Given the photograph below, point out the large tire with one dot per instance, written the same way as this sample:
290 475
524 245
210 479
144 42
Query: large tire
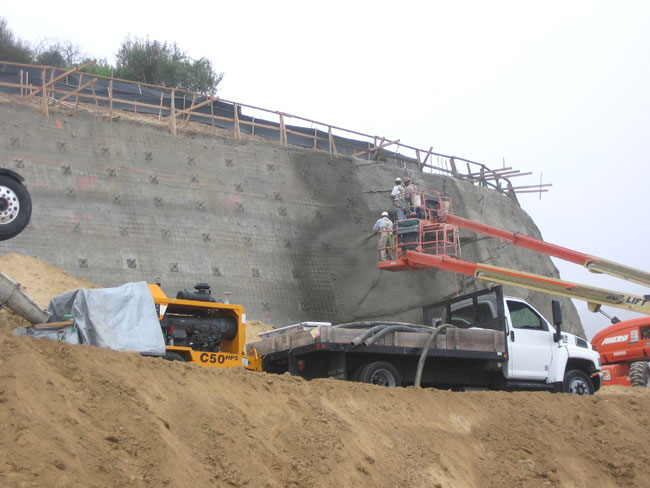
173 356
380 373
640 374
15 207
578 383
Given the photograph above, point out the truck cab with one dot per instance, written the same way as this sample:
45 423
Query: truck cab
537 352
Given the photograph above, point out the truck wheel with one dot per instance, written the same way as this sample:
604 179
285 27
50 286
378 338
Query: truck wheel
15 207
640 374
578 383
380 373
173 356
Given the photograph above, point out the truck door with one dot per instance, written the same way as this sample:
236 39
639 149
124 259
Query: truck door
530 342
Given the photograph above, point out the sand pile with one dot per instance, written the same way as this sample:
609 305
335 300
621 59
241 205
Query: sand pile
80 416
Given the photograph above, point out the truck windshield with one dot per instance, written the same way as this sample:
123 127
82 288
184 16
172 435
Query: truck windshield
524 317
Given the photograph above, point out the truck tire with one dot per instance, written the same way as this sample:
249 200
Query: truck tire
380 373
15 207
173 356
640 374
578 383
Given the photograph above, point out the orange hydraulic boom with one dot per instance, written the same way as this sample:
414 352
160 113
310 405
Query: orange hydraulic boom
432 242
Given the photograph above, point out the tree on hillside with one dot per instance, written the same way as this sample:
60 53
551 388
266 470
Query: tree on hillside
12 49
159 63
58 54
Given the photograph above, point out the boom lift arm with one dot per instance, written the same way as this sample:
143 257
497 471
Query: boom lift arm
441 252
592 263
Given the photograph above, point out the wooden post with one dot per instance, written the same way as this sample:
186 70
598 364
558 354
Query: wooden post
172 113
212 112
21 82
236 122
76 100
44 108
452 163
94 95
315 138
283 131
331 139
187 120
161 105
110 100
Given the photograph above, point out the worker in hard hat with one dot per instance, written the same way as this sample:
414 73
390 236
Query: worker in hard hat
399 199
413 199
384 226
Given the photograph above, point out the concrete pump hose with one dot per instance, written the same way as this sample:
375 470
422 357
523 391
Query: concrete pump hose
13 297
425 351
378 326
393 328
365 334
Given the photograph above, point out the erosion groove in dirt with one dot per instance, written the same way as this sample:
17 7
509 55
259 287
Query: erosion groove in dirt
80 416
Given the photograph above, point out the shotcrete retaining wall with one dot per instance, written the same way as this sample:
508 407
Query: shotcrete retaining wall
286 230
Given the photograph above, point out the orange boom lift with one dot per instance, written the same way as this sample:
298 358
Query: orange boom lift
430 240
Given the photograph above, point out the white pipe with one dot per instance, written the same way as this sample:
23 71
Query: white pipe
13 297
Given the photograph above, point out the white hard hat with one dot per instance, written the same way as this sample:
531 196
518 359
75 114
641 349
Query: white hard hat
384 214
398 179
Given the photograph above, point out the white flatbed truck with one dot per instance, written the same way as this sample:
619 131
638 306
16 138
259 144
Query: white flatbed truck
487 341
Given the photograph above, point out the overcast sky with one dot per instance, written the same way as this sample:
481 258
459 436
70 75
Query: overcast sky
560 88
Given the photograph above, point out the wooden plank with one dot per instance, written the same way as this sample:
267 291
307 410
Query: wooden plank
172 117
54 80
53 324
85 85
283 131
544 185
189 111
236 122
44 108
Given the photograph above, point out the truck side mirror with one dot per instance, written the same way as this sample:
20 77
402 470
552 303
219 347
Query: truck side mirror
557 320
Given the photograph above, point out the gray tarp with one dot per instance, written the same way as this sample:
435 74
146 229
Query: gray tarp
123 318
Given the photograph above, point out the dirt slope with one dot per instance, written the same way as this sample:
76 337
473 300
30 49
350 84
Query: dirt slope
79 416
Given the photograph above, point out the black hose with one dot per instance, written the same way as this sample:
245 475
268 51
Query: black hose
425 351
393 328
372 323
379 327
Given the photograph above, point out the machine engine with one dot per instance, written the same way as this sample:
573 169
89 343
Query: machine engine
197 327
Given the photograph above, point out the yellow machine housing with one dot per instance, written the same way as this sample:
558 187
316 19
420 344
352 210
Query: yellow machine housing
230 353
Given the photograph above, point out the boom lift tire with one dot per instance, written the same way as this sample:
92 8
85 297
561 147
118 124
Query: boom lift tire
380 373
640 374
15 207
578 383
172 356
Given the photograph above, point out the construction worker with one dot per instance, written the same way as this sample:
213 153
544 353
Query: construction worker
384 226
413 198
399 199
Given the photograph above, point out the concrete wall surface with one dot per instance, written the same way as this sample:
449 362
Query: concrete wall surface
286 230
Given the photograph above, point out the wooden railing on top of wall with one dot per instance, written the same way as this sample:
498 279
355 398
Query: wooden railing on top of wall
335 139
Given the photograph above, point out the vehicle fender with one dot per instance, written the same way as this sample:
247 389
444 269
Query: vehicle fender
558 365
12 173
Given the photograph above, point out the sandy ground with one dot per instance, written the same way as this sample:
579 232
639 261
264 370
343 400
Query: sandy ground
80 416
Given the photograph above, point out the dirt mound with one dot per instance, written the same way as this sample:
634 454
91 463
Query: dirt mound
80 416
